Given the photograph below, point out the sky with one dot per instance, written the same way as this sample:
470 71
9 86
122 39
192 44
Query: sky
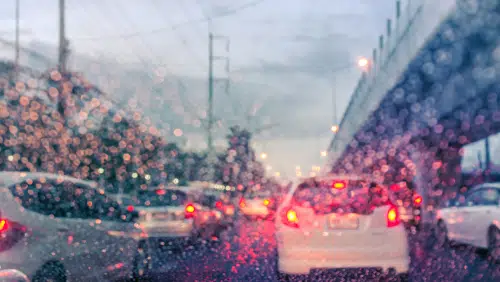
287 58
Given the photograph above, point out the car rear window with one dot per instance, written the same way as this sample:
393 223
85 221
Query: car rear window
162 197
258 195
340 196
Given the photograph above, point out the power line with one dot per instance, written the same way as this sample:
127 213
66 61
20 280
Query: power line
184 41
145 64
181 86
175 26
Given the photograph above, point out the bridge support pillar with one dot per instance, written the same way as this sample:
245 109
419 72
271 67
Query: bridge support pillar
437 172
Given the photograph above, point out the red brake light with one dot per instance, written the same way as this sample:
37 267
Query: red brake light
339 185
189 211
242 203
11 233
417 200
393 217
130 208
190 208
161 192
290 218
4 225
218 204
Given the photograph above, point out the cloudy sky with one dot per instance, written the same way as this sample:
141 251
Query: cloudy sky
286 58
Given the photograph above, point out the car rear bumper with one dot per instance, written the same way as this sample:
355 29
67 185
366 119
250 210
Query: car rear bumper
255 211
290 266
168 229
295 261
297 258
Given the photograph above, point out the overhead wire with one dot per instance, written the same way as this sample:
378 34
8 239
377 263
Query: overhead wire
181 38
175 26
144 44
189 105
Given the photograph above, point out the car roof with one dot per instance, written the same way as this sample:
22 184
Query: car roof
495 185
352 177
8 178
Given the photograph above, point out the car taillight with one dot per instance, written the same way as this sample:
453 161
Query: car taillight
393 217
130 208
4 225
418 200
242 203
339 185
10 233
289 218
189 211
218 204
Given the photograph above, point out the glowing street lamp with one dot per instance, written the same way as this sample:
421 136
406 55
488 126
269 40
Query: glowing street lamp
263 156
324 153
363 63
334 128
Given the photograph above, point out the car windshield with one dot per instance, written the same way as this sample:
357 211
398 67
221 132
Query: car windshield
158 102
340 196
162 197
258 194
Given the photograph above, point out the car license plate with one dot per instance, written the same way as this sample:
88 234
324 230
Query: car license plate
162 216
343 222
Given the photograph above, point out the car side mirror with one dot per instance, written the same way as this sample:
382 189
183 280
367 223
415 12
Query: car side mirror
131 216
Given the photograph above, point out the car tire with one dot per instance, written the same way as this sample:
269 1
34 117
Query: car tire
403 277
441 235
285 277
291 277
51 271
142 262
494 244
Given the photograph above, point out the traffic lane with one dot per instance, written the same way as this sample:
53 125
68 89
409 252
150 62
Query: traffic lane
249 254
245 253
452 263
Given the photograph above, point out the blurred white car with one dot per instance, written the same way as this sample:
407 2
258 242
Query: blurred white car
54 228
474 221
255 204
170 220
336 223
165 213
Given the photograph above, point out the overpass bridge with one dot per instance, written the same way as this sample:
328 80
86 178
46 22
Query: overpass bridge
433 87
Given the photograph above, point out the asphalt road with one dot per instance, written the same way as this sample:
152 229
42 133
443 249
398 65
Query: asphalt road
249 255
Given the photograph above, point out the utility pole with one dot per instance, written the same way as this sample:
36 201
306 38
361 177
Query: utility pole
334 102
211 83
16 70
63 42
210 92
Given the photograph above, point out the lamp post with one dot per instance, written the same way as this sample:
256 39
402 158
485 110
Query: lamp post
363 64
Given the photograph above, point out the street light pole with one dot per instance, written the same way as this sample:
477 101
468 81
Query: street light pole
16 71
334 101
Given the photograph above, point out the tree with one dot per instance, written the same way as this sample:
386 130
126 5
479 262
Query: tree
238 164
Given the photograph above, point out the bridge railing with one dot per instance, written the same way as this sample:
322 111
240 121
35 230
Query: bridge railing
416 21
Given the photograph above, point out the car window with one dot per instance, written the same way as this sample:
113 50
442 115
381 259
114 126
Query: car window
474 198
488 197
340 196
162 197
258 194
84 202
38 195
